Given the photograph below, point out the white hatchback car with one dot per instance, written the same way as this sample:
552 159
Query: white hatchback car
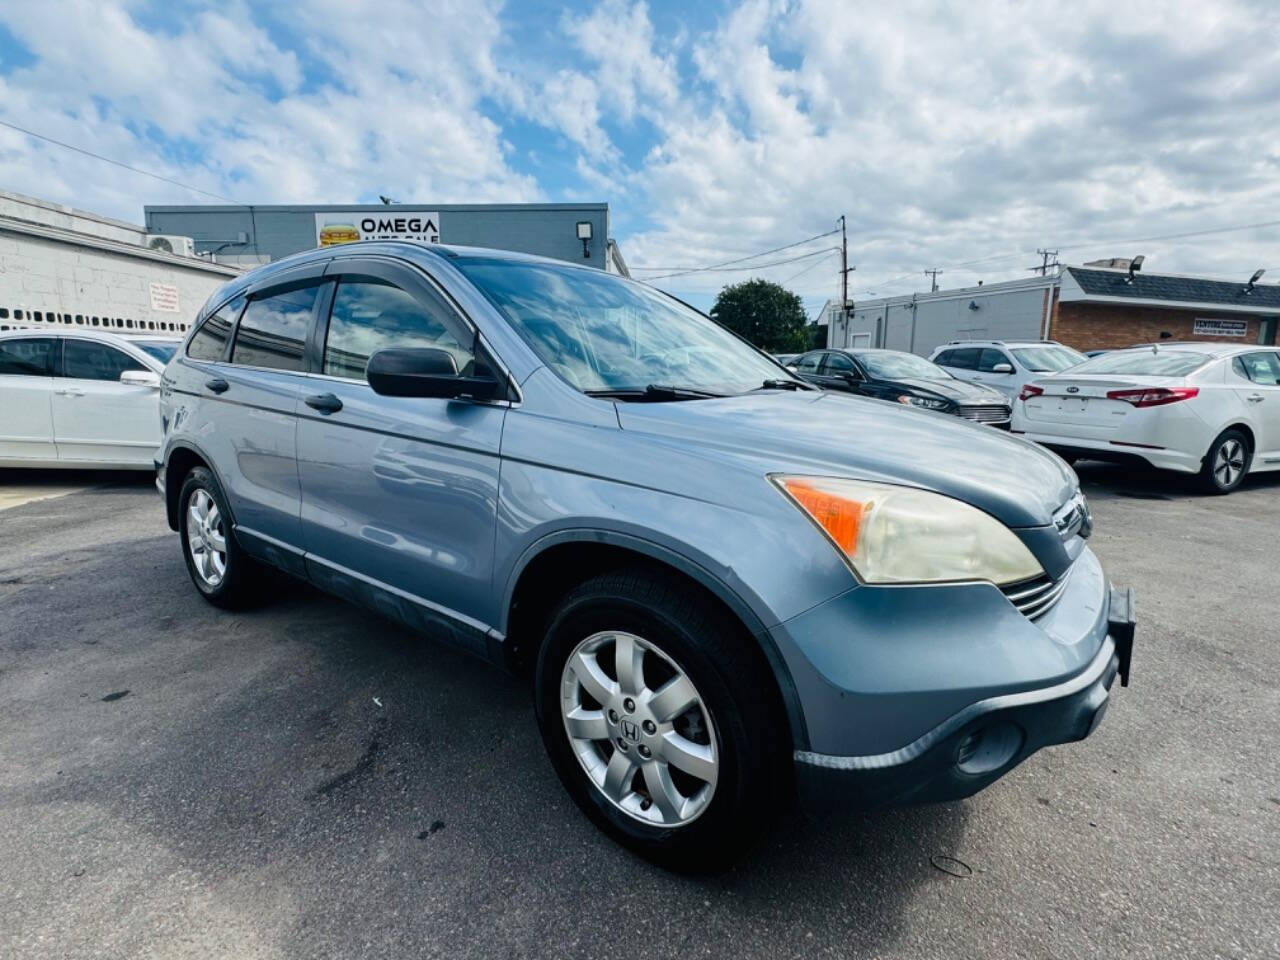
80 398
1004 365
1206 408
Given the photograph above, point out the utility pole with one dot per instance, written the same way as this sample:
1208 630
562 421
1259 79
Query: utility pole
933 277
1043 269
845 269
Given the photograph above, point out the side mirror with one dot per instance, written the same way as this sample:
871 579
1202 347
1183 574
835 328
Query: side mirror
140 378
424 372
1002 368
850 376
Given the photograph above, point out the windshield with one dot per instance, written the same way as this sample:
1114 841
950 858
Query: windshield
892 365
603 333
1047 359
1145 362
162 350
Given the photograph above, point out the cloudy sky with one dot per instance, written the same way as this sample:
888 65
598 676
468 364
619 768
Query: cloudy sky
958 136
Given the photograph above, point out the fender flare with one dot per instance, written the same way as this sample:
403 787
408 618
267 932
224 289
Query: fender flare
696 572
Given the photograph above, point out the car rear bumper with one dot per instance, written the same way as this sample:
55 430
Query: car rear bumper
980 743
1117 450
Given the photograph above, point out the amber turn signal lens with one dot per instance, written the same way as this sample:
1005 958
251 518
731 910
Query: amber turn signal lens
839 516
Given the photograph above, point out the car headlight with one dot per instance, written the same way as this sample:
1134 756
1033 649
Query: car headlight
928 402
893 534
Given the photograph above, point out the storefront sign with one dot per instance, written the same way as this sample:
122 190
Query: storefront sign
164 298
396 224
1221 328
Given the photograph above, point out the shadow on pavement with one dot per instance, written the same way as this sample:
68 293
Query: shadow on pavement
1147 483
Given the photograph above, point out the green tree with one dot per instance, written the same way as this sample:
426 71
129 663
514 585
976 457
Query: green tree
767 314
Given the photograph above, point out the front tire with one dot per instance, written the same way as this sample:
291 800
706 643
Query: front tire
223 573
660 719
1227 463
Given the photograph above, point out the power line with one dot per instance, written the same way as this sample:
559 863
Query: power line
117 163
812 266
750 266
725 263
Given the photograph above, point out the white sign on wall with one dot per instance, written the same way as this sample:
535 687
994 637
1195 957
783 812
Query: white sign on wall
164 298
397 223
1220 328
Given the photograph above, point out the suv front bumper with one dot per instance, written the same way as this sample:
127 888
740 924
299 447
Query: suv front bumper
979 744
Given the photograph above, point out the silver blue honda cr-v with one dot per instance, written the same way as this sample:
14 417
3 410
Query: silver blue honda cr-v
726 587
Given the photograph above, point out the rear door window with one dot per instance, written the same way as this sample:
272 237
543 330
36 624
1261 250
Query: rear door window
86 360
1262 368
27 357
273 329
964 359
210 340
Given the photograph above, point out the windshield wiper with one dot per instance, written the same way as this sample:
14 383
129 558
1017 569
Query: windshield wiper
655 393
785 385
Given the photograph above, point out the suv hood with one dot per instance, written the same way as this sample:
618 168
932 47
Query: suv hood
827 434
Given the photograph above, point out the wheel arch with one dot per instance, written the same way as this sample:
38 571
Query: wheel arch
181 459
1250 438
559 561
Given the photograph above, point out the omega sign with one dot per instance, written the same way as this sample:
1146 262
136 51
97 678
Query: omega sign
395 224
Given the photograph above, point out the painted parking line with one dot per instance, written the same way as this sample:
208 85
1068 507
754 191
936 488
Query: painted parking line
18 494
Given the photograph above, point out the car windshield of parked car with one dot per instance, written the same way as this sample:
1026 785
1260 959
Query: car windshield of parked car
605 334
1048 359
1145 362
892 365
162 350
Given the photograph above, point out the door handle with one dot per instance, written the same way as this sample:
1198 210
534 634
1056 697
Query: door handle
70 392
217 385
1256 398
324 402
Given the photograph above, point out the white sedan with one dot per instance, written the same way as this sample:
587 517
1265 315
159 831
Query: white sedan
80 398
1207 408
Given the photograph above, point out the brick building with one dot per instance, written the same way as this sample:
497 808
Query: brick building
1089 307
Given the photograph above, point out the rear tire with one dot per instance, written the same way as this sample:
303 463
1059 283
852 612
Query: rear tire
690 790
223 573
1227 462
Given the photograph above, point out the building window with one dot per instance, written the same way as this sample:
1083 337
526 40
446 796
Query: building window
38 317
80 318
4 313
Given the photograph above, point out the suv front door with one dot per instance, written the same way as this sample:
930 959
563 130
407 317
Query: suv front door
399 494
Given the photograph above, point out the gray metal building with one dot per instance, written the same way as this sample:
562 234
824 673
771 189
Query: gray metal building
918 322
249 235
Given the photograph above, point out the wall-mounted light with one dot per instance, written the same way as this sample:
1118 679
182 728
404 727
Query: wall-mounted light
973 305
1257 275
584 234
1134 266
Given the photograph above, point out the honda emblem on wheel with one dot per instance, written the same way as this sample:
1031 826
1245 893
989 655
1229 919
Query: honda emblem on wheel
630 731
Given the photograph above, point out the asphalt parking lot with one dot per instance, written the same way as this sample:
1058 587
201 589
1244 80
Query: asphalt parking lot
308 780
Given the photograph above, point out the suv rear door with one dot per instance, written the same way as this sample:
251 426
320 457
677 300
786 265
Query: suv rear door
399 494
251 401
26 398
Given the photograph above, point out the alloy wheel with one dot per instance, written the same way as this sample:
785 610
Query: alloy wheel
1228 463
639 728
206 538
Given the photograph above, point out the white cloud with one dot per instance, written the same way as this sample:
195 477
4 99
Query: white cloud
947 133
